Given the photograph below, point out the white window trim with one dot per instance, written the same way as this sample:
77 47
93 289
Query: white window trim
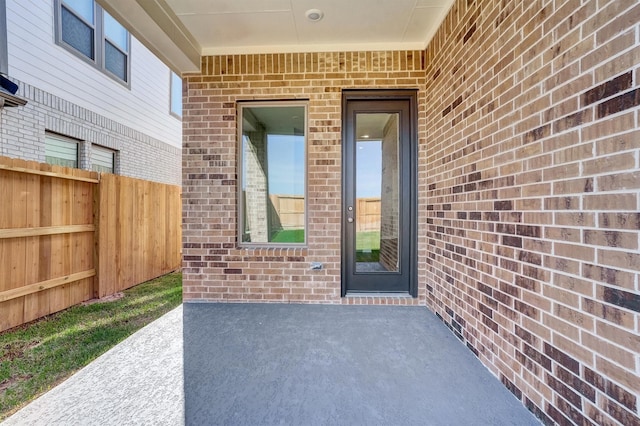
98 42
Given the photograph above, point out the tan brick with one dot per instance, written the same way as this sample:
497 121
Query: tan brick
610 202
616 239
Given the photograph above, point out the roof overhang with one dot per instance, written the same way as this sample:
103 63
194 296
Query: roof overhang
155 25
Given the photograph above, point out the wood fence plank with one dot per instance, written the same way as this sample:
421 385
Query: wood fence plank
45 230
12 313
55 174
45 285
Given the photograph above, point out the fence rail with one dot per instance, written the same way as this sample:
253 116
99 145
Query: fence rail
69 235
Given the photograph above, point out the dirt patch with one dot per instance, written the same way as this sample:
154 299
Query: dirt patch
6 384
105 299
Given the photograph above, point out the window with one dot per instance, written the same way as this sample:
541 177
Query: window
60 151
4 62
88 31
176 95
272 198
103 159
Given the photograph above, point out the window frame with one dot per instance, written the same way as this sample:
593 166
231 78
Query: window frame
171 111
241 105
4 48
99 40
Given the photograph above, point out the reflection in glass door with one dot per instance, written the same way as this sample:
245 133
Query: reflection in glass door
376 186
379 169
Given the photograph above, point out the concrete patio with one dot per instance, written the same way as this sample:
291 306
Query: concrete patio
265 364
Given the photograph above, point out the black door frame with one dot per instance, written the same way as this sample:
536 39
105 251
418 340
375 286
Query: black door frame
411 96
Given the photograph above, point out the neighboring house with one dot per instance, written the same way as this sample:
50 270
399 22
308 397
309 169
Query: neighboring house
96 98
505 151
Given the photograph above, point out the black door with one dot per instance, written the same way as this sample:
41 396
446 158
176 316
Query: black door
379 180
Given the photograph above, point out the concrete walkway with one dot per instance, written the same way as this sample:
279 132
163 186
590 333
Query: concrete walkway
254 364
138 382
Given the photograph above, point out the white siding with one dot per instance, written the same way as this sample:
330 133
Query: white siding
34 58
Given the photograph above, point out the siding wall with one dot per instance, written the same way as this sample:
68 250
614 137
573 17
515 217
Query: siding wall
68 96
529 159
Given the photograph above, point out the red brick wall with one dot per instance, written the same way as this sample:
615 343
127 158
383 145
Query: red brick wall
528 205
529 223
215 269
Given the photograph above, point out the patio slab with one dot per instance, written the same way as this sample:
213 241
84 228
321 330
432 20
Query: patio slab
277 364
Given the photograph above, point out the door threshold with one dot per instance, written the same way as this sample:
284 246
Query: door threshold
398 295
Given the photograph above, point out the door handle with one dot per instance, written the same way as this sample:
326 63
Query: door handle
350 214
350 219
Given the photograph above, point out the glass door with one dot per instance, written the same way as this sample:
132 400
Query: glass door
378 182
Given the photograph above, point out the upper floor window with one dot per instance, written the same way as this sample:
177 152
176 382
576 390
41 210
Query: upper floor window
88 31
176 95
4 65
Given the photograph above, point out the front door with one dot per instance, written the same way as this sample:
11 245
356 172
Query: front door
379 169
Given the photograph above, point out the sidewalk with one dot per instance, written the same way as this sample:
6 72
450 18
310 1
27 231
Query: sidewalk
137 382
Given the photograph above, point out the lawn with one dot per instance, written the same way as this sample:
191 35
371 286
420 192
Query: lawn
288 236
368 246
35 357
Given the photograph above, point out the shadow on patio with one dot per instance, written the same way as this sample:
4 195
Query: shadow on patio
326 364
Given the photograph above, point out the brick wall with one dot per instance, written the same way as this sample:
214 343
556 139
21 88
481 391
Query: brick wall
528 204
528 191
214 268
22 132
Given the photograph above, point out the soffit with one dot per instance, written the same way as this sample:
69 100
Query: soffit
214 27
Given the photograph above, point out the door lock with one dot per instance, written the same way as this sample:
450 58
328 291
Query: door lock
350 214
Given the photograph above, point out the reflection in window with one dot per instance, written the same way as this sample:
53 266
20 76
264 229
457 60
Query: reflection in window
88 31
273 151
176 94
116 47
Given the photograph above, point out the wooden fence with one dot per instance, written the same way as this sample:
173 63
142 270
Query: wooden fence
69 235
288 211
368 214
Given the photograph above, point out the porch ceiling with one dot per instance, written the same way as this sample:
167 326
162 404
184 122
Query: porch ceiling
181 31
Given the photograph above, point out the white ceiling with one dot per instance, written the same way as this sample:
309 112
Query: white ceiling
210 27
267 26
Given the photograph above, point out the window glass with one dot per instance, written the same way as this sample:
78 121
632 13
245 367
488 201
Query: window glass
102 159
83 8
115 32
115 61
61 151
273 179
103 40
176 94
4 57
77 34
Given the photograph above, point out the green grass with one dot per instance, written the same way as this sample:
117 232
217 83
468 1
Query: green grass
368 240
372 256
368 246
35 357
289 236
